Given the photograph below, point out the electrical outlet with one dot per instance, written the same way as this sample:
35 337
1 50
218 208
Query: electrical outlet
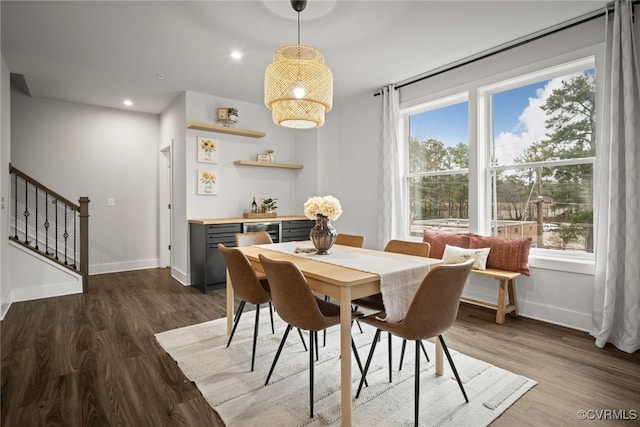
111 201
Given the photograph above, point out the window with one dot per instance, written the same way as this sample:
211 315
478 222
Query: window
535 150
438 156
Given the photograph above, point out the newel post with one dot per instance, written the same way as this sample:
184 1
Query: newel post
84 241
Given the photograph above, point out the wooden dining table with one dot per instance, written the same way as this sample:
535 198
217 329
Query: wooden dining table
341 283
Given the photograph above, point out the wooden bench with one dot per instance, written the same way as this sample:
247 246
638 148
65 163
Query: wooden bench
507 299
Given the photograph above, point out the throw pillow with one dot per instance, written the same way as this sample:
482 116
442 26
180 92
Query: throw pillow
506 254
439 240
456 255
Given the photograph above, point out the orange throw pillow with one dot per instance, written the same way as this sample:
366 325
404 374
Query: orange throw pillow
505 254
439 240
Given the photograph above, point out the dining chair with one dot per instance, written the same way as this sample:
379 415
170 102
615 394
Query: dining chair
432 311
299 307
248 288
349 240
255 238
374 302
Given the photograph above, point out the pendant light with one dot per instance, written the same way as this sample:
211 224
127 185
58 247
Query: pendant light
298 87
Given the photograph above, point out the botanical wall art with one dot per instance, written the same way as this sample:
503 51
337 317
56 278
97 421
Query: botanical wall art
207 182
207 150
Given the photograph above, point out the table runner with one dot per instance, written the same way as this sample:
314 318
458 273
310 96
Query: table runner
400 275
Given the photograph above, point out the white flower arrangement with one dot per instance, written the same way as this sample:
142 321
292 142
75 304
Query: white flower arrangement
328 206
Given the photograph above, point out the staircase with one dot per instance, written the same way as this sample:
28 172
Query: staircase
47 223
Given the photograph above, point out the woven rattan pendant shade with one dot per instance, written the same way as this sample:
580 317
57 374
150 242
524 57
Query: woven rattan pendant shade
298 87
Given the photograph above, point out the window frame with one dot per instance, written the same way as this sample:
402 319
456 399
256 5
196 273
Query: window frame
479 97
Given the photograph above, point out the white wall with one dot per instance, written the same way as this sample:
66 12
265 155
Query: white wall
80 150
5 158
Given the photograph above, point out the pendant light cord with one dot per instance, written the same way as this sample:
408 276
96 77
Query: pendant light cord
298 28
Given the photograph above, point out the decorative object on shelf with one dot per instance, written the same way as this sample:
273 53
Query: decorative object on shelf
264 158
207 182
228 115
272 154
323 210
298 87
268 205
207 150
254 205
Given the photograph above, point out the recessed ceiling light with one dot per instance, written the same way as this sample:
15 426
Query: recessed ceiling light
128 102
236 54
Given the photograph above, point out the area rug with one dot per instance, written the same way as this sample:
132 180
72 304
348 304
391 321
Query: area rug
241 399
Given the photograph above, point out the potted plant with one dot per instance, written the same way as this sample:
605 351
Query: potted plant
232 114
269 205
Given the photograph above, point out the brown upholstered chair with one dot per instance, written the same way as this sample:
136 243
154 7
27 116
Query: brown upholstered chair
299 307
253 238
432 311
248 288
374 302
349 240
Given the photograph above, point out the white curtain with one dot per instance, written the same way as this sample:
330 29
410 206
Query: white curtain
616 310
391 214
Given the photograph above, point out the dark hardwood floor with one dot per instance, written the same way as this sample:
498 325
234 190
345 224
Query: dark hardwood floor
92 360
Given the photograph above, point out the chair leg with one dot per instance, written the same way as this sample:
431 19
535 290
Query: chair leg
355 353
313 337
389 346
255 336
404 345
302 339
273 331
366 366
275 359
453 367
236 320
354 308
416 398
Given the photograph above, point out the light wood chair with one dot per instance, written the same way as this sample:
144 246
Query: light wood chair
299 307
432 311
349 240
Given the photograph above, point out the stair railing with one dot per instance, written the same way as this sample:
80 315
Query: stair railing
50 224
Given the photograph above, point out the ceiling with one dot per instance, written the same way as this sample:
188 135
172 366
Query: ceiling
101 52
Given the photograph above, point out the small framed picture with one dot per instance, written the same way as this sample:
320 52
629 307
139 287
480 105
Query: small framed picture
207 150
264 158
207 182
223 115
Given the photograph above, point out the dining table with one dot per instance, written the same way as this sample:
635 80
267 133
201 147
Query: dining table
328 275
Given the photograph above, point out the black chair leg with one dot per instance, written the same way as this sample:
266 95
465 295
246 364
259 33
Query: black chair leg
236 320
355 353
313 337
389 345
304 344
453 367
273 331
366 366
416 399
275 359
255 336
404 345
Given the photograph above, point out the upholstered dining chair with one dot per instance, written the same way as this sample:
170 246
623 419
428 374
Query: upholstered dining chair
374 302
248 288
432 311
255 238
349 240
299 307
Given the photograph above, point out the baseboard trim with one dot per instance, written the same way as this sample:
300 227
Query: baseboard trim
116 267
46 291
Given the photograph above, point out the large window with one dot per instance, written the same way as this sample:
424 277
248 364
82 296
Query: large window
438 174
534 152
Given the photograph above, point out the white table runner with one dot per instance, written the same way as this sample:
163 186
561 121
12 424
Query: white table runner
400 275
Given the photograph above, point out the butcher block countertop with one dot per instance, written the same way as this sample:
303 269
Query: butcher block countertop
208 221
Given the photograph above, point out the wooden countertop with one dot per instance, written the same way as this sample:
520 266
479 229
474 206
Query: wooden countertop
207 221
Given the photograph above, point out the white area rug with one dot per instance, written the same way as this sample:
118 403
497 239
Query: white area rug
241 398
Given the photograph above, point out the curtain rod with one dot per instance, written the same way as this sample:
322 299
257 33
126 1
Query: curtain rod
512 45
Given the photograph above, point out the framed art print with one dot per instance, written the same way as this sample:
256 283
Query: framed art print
207 150
207 182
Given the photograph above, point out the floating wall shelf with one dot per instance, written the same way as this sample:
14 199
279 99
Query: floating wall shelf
223 129
266 165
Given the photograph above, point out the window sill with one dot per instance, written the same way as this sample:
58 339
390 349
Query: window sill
562 261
